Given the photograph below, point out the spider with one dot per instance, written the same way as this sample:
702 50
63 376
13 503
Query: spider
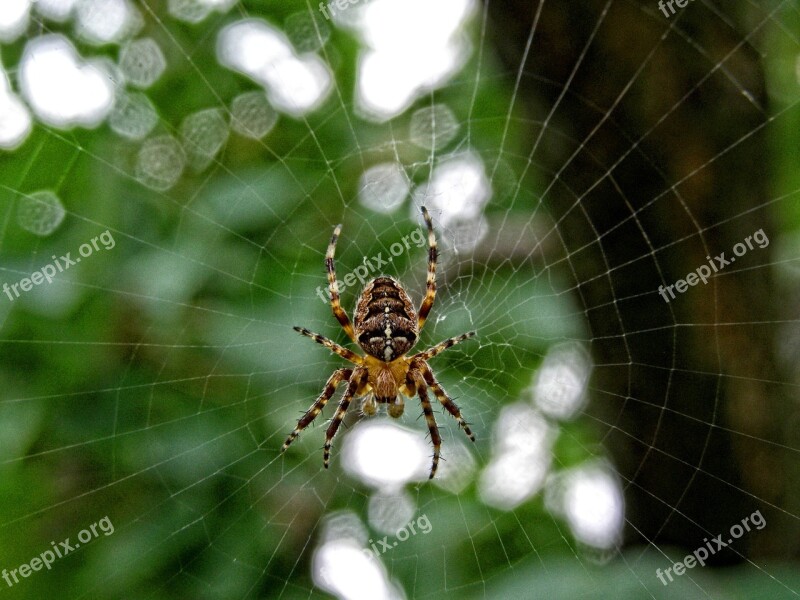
386 327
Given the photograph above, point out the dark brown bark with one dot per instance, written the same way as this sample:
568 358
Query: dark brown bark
675 156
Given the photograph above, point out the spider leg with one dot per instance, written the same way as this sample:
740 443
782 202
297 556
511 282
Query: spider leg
344 403
331 345
333 286
427 410
446 400
330 388
442 346
430 291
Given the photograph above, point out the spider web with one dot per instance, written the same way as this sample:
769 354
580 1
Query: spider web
155 382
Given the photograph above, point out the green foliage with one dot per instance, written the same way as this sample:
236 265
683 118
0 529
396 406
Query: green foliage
155 382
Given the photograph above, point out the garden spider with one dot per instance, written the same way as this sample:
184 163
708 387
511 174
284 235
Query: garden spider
386 327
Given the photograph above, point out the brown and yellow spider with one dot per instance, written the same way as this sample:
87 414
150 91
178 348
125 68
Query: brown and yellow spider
386 327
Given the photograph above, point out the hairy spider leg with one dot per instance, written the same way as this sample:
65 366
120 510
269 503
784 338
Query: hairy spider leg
446 400
355 382
430 283
427 410
333 286
442 346
331 345
327 393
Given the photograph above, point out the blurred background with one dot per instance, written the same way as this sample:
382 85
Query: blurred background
170 175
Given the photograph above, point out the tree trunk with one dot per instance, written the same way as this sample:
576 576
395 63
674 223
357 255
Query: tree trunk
661 155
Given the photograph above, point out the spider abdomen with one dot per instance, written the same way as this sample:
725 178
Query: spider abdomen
385 321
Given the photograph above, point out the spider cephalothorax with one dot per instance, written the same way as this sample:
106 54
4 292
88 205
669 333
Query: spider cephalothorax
386 327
